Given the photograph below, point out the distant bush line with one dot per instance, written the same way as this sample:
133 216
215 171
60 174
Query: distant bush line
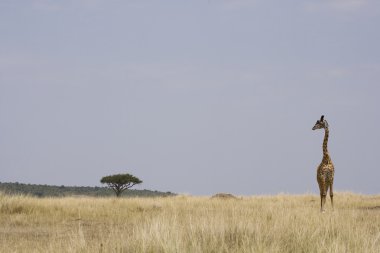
64 191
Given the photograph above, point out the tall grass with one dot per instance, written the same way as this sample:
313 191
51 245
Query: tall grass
281 223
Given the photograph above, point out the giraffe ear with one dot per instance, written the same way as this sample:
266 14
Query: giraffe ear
321 120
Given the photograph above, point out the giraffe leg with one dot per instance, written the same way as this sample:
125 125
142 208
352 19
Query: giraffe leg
323 196
323 203
321 187
331 195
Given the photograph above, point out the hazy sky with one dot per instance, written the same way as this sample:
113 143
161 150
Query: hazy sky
193 97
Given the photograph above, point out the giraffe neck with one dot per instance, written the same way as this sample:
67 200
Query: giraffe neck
325 140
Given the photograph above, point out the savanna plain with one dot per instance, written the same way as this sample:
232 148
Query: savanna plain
278 223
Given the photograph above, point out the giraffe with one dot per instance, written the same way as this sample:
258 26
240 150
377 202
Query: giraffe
325 171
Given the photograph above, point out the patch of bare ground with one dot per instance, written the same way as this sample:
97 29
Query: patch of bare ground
224 196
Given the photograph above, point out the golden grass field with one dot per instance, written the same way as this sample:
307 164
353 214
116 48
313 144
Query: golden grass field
279 223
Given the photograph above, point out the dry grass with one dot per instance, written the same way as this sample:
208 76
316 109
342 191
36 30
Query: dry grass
281 223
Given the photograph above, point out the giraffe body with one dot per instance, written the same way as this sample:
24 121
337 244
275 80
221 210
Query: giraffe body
325 171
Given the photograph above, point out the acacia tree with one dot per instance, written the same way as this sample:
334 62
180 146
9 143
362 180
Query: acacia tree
120 182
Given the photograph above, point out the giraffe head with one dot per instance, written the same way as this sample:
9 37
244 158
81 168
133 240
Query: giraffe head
322 123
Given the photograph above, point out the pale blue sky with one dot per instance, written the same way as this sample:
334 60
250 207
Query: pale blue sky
193 97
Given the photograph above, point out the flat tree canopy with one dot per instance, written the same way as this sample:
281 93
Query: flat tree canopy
120 182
